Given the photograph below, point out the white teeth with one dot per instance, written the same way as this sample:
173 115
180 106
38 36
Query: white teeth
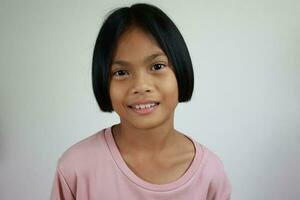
143 106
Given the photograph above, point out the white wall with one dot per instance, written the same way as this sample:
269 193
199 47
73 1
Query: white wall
246 58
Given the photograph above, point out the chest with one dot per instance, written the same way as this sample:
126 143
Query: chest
160 170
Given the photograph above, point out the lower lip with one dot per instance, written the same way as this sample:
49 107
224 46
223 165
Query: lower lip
145 110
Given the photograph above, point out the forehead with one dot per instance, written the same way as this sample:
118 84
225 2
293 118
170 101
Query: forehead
136 44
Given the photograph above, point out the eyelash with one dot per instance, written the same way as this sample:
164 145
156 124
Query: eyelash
114 73
158 64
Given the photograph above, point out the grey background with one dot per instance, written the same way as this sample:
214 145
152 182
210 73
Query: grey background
245 106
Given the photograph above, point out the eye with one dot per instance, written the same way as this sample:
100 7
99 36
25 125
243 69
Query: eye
120 73
158 66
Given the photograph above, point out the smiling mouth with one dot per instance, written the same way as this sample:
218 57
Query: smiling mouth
144 108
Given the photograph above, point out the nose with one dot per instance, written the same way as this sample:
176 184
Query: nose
142 83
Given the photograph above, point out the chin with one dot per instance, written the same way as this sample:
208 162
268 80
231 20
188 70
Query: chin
146 124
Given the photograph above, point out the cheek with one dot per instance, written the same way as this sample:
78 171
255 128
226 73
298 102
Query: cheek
114 95
117 94
171 86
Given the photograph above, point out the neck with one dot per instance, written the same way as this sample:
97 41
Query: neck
152 141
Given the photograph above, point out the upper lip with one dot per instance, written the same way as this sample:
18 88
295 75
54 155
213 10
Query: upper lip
143 101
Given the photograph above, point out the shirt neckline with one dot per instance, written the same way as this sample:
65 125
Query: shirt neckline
190 172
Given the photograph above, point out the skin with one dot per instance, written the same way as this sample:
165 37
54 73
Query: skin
148 143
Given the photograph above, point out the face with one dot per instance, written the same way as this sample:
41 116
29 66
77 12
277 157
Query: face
143 87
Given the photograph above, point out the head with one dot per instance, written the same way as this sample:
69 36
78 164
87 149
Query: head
160 29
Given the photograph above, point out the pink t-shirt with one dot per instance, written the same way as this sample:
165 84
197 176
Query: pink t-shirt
93 169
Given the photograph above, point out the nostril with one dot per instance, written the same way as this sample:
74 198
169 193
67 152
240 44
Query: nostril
140 91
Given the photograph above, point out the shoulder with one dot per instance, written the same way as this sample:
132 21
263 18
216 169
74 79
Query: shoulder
213 160
81 154
214 170
210 163
209 159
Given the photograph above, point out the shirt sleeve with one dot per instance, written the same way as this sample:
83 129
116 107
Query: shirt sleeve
60 188
220 187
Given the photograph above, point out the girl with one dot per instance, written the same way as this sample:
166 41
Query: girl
141 70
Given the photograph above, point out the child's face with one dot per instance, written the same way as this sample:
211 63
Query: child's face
141 72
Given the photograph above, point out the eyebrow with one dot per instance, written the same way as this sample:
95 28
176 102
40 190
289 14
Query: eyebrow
147 59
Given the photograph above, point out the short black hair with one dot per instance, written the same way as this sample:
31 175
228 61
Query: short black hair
153 21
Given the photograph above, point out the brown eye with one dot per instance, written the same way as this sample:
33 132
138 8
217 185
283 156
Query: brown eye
158 66
120 73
